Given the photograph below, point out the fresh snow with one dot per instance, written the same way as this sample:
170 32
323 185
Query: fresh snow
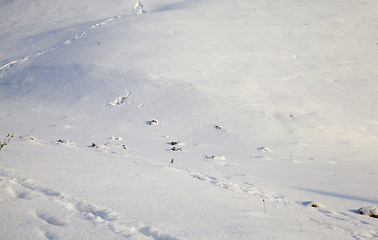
197 119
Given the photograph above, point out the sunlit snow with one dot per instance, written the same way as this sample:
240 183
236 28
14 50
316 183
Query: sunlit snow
195 119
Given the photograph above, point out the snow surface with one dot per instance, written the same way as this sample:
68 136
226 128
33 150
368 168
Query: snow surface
273 104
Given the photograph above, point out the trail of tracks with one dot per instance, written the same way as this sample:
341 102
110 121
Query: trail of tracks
59 211
8 66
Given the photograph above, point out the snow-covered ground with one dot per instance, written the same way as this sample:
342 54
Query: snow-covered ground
196 119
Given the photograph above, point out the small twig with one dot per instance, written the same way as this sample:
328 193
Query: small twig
299 225
264 205
6 141
89 207
363 22
86 138
30 132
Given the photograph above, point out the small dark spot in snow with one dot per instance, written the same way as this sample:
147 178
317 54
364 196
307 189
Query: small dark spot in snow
152 122
218 127
313 204
176 149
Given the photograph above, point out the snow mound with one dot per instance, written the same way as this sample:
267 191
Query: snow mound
313 204
369 211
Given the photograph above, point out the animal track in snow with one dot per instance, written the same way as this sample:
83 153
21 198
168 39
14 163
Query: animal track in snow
154 233
232 185
8 66
26 195
50 219
57 210
339 221
120 100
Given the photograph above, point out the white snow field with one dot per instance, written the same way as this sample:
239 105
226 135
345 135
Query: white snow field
189 119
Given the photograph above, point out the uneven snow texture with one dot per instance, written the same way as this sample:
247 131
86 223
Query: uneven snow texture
269 105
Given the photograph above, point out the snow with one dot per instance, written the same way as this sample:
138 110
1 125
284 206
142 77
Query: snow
371 212
242 120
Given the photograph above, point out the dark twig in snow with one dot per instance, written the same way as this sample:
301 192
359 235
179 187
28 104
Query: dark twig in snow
264 205
89 207
6 141
30 132
299 225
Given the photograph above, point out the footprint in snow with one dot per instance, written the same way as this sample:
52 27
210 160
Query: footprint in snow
57 206
50 219
19 192
265 149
